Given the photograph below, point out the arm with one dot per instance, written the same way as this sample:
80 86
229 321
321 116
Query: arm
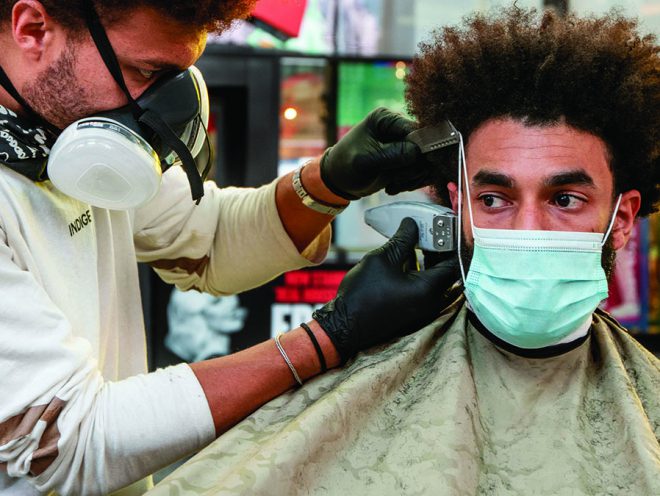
373 155
378 300
63 428
232 241
240 238
238 384
303 224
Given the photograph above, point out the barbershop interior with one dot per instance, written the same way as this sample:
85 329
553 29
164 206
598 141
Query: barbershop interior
330 247
291 81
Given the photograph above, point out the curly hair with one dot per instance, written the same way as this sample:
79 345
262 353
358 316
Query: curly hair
211 15
596 74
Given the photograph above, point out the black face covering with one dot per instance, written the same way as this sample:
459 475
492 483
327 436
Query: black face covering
170 108
172 105
151 125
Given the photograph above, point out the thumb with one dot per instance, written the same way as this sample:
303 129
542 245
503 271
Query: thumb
443 274
400 246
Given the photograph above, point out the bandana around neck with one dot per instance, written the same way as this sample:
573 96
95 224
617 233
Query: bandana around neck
23 148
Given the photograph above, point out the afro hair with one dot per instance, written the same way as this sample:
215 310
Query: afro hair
596 74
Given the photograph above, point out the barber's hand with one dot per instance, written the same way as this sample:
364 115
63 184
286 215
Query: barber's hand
384 296
374 155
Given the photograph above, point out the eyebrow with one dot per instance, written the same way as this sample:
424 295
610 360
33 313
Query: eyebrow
490 178
577 176
487 177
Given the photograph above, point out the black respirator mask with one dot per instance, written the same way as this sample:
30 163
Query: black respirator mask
115 159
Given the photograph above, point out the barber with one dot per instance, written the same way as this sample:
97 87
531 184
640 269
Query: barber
87 127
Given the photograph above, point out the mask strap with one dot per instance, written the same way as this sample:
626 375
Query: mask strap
609 229
207 155
461 169
153 121
6 83
100 38
461 151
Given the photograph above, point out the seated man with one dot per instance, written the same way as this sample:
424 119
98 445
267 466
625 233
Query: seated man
522 386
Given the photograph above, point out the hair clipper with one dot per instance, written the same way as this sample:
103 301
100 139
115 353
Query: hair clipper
436 224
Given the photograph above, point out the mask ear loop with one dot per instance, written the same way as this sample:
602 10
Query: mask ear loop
609 229
462 169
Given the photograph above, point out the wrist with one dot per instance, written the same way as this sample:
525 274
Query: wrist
332 358
316 188
302 354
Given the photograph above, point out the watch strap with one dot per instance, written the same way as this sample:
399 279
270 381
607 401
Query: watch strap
310 202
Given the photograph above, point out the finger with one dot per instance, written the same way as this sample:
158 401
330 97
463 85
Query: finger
400 246
409 180
443 273
400 155
387 126
433 258
411 264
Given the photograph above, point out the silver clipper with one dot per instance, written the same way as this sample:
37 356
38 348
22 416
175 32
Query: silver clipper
436 224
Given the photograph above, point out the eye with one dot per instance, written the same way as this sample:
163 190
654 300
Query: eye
492 201
146 74
564 200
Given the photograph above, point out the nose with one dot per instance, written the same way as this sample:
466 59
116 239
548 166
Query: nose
529 217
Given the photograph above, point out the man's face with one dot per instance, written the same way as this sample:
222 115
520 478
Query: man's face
77 84
553 178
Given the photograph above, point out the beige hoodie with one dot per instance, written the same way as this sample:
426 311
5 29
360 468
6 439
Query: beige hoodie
78 413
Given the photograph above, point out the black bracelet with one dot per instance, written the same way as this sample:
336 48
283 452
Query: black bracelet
317 347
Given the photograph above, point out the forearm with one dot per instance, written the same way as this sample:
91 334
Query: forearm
238 384
301 223
234 240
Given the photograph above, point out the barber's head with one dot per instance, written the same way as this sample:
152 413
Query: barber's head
49 55
559 116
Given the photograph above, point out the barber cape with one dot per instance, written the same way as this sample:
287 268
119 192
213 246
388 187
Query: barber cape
447 412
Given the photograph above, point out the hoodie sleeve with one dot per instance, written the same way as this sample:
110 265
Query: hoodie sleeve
232 241
63 427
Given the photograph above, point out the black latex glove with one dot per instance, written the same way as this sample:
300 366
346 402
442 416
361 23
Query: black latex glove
372 156
384 296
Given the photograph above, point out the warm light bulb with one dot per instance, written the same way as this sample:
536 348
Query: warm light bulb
290 113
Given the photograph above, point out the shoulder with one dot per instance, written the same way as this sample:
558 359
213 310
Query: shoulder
625 343
618 348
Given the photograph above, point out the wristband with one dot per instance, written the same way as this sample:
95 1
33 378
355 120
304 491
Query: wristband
309 202
317 347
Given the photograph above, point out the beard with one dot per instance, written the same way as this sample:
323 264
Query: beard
607 259
56 95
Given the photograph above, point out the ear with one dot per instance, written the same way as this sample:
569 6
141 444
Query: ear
452 188
625 218
32 28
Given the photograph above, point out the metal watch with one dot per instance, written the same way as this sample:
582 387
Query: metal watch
309 202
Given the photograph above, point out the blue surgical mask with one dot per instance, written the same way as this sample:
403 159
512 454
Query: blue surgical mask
532 289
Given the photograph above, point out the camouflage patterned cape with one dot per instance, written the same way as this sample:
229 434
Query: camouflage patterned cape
446 412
